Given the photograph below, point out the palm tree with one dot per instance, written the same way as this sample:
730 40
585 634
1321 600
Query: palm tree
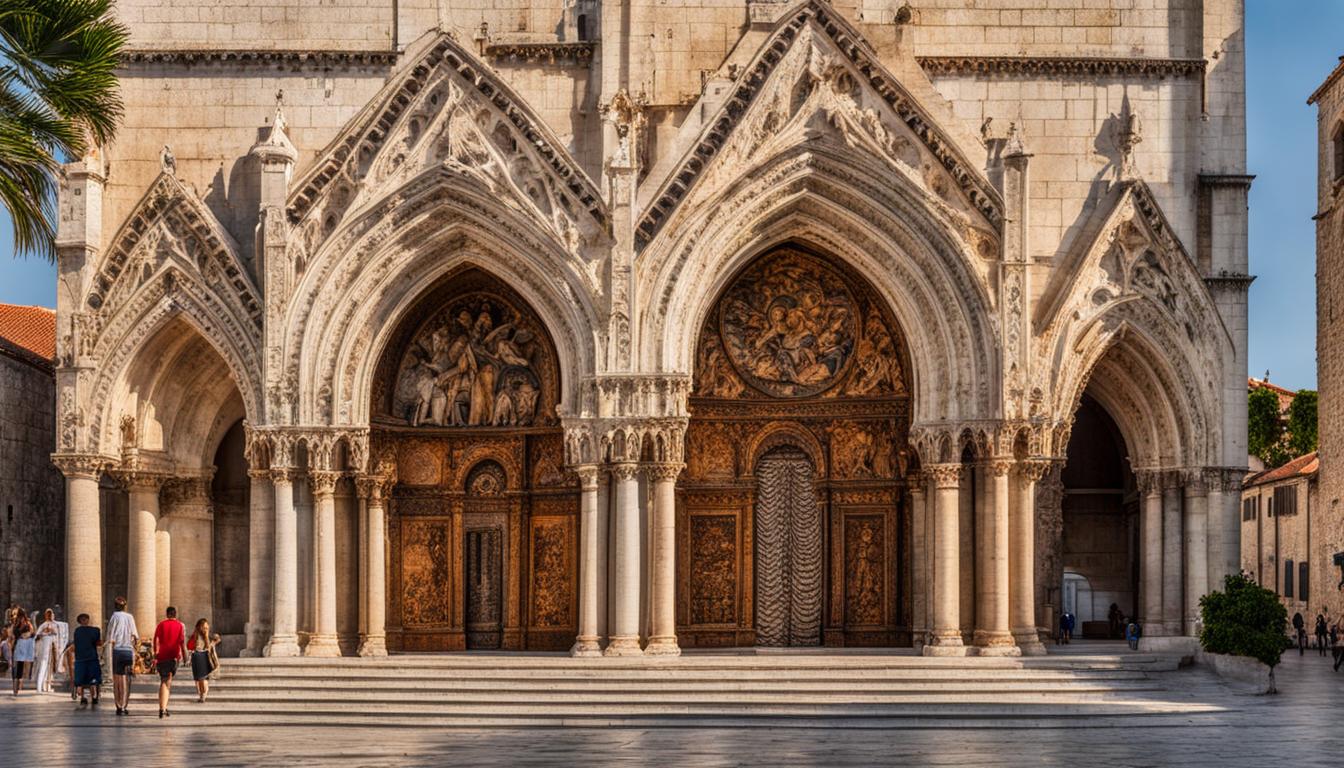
58 96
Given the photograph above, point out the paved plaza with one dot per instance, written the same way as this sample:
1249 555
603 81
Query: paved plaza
1298 727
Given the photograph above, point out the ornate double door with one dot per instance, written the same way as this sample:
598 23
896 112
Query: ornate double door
789 561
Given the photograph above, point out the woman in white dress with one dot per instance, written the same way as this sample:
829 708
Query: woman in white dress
49 658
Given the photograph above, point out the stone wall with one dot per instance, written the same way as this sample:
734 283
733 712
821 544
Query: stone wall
32 492
1329 535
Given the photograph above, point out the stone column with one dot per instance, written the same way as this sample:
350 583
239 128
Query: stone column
624 639
1196 549
163 561
969 509
83 537
141 563
946 640
993 635
588 642
374 641
919 558
284 598
1150 554
188 517
663 635
1173 578
260 568
323 641
362 491
1022 557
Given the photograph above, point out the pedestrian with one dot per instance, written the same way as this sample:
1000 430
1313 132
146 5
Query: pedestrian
1132 635
1066 627
48 647
1300 631
170 647
88 674
68 658
1320 632
25 648
124 638
1116 617
203 658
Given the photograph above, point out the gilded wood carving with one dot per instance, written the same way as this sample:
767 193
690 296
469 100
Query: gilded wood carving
714 582
552 587
864 571
426 586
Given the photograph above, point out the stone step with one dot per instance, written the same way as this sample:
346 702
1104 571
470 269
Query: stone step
280 674
705 686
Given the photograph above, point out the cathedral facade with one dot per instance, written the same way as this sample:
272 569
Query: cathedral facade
626 327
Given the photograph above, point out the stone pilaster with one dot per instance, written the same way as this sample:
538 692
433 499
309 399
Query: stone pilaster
1150 550
142 568
663 637
1173 578
993 636
1196 549
919 558
188 519
374 594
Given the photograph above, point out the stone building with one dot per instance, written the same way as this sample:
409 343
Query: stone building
32 510
1281 545
1329 533
630 326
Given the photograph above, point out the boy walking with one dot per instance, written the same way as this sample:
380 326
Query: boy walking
88 673
170 647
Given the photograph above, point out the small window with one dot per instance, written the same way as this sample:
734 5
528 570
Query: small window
581 27
1287 578
1302 582
1337 144
1285 500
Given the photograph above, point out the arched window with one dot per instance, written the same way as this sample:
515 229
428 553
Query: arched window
581 27
1287 578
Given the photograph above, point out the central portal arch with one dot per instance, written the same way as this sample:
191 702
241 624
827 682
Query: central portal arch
793 527
483 520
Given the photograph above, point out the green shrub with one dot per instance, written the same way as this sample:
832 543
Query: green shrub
1245 619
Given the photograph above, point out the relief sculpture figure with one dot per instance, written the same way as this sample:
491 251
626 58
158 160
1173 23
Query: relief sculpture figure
477 369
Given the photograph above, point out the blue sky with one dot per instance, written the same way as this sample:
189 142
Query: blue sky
1291 46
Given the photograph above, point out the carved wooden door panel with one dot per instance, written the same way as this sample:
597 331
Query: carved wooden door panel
788 551
484 578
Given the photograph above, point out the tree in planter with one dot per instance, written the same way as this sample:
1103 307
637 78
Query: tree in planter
1245 619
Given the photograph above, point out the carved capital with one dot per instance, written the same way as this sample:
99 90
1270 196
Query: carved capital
625 470
589 475
79 465
323 482
282 475
997 467
259 474
664 472
138 481
1032 470
1148 480
945 476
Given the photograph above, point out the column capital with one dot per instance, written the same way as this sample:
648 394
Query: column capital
323 482
589 475
1033 470
997 466
141 481
945 476
626 470
1224 479
916 481
282 474
82 465
1149 481
259 474
663 471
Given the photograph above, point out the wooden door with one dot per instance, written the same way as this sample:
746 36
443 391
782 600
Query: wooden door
484 563
788 551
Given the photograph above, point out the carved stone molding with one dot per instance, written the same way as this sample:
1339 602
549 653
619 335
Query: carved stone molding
945 476
323 482
314 59
589 476
574 54
997 467
78 465
625 470
1032 470
1061 66
660 472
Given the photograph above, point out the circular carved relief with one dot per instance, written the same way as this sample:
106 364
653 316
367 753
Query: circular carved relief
788 325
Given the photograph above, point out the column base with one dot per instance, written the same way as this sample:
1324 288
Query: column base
282 646
373 645
663 646
322 646
623 646
1028 642
946 645
586 647
990 643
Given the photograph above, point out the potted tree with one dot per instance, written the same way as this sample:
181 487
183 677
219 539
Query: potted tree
1244 619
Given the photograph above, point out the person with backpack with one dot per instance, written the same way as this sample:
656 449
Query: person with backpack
1132 635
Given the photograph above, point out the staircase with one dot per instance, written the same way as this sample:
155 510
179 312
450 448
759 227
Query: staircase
697 689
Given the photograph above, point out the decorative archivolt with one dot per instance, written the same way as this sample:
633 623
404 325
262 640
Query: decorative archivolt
831 203
1132 289
446 111
815 79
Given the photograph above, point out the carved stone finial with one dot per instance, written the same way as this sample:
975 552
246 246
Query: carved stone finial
1128 134
167 162
1013 146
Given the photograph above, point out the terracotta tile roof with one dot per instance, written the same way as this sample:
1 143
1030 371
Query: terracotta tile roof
1285 395
28 333
1303 466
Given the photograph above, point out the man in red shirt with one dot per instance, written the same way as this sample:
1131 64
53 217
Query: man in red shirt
170 647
